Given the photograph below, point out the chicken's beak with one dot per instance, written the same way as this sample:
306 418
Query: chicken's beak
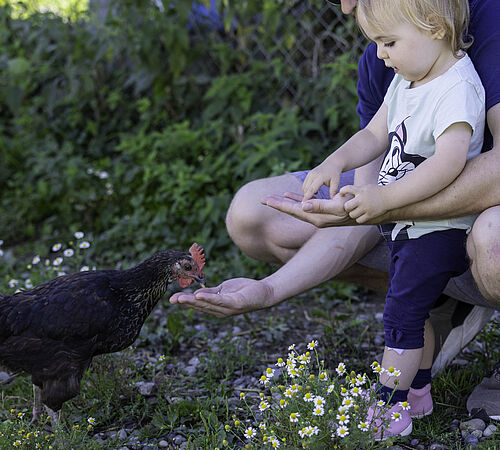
200 279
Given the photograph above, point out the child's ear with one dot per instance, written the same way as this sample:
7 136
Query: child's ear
437 31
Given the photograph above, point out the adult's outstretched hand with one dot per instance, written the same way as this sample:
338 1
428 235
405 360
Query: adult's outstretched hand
231 297
322 213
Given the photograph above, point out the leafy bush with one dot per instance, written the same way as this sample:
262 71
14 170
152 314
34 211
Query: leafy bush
116 128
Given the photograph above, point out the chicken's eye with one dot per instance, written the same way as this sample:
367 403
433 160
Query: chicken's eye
188 267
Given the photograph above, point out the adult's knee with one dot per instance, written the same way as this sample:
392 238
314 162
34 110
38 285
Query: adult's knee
245 214
483 247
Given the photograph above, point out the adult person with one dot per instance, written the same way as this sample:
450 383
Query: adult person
327 243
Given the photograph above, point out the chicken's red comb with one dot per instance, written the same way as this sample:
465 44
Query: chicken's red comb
197 253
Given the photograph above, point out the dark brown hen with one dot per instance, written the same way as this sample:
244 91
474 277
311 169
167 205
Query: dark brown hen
54 330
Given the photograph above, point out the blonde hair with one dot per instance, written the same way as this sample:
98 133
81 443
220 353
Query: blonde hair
450 16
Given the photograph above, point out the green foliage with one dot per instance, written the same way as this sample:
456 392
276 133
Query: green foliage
116 127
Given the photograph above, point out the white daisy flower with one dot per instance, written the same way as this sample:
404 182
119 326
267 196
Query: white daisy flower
348 402
13 283
56 247
61 273
269 373
28 284
330 389
340 368
262 425
308 397
291 347
79 235
250 433
396 416
35 260
380 403
319 401
355 391
280 362
318 410
288 393
343 419
303 359
69 252
313 344
264 405
323 376
58 261
264 380
84 244
405 406
360 380
363 426
314 431
91 420
274 442
342 431
283 403
294 417
85 269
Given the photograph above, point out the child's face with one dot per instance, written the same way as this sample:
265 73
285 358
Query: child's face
417 55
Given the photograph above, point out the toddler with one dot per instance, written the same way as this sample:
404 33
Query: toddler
431 122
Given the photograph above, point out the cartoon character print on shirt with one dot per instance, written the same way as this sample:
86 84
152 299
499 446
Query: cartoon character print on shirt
397 163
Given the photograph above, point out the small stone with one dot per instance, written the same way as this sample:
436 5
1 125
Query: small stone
194 361
190 370
4 376
145 388
179 439
414 442
122 435
437 446
473 424
477 433
471 440
163 444
490 430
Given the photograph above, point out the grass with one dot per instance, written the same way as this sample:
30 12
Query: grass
191 409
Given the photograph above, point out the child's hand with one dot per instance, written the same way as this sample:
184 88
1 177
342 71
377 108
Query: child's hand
323 174
368 202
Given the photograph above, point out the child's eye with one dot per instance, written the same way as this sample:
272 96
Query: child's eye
388 44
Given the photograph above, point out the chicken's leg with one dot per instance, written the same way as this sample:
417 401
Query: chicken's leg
37 404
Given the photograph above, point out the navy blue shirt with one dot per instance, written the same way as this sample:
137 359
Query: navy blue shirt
374 77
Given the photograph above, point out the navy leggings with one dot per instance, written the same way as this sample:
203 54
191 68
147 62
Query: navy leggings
419 271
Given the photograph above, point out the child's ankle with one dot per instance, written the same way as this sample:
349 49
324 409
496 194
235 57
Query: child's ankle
391 396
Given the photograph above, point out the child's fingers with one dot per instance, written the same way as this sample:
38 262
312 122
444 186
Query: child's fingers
310 189
334 186
349 189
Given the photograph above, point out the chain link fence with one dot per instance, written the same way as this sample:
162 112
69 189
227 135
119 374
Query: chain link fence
314 34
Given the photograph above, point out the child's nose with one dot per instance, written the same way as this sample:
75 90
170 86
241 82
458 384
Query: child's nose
381 52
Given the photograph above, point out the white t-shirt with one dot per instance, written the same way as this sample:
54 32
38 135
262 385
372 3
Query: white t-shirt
418 116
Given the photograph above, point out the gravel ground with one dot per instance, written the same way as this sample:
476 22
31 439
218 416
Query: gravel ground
268 333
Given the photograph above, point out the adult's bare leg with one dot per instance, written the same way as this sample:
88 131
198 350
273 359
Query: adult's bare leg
483 248
310 255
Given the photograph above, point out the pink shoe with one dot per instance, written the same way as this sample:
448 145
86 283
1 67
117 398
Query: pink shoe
397 421
420 401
